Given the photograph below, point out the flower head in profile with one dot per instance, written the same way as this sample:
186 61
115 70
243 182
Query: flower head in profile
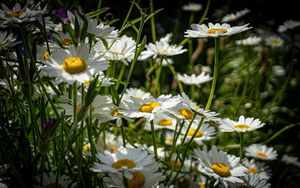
18 14
234 16
250 41
49 180
135 93
162 48
242 125
7 40
192 7
205 133
290 160
73 64
100 29
253 180
221 166
288 25
214 30
162 121
261 152
274 41
254 167
193 79
121 49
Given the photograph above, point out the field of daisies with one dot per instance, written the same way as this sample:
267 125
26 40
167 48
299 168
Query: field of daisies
201 99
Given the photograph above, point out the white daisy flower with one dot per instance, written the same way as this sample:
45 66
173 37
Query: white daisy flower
148 107
169 138
162 121
258 168
243 125
290 160
120 49
205 132
42 53
139 179
125 160
107 111
100 30
192 7
7 40
235 16
261 152
274 41
186 108
73 64
214 30
109 141
278 70
221 166
135 93
162 48
287 25
193 79
50 181
253 180
250 41
165 61
64 38
99 105
29 12
161 153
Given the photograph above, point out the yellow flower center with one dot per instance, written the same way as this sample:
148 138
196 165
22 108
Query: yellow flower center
201 185
124 163
15 13
66 42
165 122
46 55
74 65
54 185
169 140
116 113
118 52
137 181
86 147
252 170
216 30
192 132
241 126
86 82
275 42
113 149
261 154
221 169
149 106
186 113
176 165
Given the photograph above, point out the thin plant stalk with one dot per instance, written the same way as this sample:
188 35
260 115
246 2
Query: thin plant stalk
241 146
154 140
216 66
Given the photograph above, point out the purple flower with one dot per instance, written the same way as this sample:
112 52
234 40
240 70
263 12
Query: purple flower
61 13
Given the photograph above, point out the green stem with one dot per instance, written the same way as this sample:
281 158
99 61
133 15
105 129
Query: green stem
75 103
152 23
175 75
123 135
120 76
205 12
135 53
154 140
157 79
241 146
212 90
279 133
